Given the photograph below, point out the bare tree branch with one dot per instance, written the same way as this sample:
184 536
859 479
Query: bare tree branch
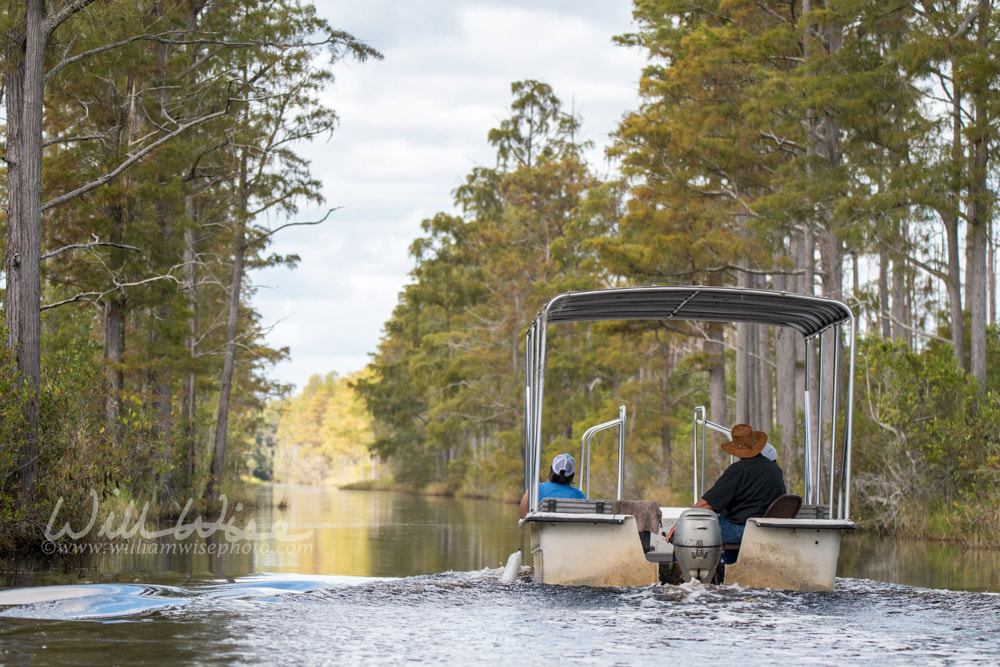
49 255
296 224
65 140
83 296
60 14
110 176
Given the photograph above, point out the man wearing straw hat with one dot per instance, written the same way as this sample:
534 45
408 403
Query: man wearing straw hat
748 486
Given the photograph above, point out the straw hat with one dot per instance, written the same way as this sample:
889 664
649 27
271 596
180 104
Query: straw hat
746 442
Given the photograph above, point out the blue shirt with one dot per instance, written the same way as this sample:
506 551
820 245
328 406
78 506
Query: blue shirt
554 490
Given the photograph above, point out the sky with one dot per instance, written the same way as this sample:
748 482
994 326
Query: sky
412 126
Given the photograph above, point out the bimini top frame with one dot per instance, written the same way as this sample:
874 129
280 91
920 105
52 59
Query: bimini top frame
809 315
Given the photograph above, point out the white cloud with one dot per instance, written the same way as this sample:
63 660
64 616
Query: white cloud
412 126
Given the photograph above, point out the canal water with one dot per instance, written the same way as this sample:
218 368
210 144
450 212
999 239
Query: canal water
379 577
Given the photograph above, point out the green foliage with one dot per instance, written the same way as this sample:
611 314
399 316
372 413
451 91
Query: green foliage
927 453
77 454
170 163
13 429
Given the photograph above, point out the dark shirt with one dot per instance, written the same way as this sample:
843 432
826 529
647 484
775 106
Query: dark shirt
746 489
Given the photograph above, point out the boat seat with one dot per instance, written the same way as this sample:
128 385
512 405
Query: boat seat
645 512
783 507
813 512
575 506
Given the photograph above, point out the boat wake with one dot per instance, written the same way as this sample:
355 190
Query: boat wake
474 616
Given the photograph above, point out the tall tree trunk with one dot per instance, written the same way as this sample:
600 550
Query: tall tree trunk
120 213
884 316
232 329
162 402
975 286
991 273
803 248
114 353
228 367
979 213
715 351
950 218
744 348
24 83
765 405
785 381
666 449
900 333
188 389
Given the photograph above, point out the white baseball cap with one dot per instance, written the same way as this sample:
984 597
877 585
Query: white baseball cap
562 464
770 452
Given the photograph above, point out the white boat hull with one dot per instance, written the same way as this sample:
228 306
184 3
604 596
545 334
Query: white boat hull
589 550
790 554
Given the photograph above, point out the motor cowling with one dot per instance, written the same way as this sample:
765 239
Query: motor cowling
698 544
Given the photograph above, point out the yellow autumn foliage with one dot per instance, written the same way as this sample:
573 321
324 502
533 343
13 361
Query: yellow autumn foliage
324 434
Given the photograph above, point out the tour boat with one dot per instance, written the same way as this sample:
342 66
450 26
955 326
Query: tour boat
621 541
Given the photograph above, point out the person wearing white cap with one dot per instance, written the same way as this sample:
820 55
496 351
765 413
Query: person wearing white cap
748 486
560 478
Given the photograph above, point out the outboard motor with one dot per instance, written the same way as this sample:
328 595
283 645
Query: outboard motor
698 543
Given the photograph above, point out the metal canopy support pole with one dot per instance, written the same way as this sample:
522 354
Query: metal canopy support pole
529 369
849 428
697 423
621 452
807 469
538 393
833 416
818 462
704 461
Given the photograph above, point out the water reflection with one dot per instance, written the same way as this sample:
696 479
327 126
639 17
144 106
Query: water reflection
385 534
919 563
354 533
389 534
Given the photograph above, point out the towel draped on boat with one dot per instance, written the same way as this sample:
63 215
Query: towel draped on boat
646 513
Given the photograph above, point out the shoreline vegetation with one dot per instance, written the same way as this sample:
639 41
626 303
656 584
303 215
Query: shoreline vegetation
134 362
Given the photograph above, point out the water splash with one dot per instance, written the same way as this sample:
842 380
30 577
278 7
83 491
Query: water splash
472 616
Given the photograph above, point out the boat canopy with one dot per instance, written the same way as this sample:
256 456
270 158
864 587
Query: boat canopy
809 315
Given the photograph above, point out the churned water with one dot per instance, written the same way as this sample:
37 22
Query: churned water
470 617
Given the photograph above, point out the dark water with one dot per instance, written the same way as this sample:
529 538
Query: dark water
392 578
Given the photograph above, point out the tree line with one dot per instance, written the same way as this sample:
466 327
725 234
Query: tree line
800 146
323 435
150 156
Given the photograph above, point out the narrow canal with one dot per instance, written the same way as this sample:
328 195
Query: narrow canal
380 577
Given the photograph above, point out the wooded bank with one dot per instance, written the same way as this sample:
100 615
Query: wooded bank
150 157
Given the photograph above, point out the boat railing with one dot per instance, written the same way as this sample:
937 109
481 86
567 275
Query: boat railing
813 496
701 422
585 452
